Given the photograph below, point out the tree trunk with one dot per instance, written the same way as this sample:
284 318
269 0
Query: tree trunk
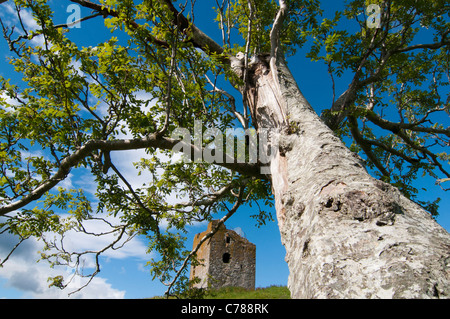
346 234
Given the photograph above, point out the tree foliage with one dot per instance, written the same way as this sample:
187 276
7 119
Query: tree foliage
396 105
71 107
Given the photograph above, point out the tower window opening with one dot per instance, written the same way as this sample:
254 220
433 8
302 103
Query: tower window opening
227 239
226 258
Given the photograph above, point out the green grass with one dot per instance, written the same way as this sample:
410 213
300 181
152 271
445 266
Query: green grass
272 292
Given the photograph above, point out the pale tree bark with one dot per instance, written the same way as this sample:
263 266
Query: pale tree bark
346 234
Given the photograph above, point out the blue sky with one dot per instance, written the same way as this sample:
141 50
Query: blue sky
123 273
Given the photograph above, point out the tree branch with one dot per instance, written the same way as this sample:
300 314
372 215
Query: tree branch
57 281
337 113
2 262
214 197
109 12
395 127
242 119
130 188
87 149
275 32
399 130
366 147
198 38
431 46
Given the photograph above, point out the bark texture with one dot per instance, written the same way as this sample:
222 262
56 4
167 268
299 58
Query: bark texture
346 234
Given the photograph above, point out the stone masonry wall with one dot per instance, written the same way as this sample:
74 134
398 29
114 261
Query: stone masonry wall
228 260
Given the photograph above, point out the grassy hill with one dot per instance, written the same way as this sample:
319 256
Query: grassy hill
272 292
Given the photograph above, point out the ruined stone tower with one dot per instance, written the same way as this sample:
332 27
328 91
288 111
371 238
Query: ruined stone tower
227 259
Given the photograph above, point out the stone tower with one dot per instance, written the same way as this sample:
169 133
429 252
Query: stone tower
227 259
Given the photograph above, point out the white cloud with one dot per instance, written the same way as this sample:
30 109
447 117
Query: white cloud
28 20
67 182
8 14
31 279
124 160
76 64
23 273
8 101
